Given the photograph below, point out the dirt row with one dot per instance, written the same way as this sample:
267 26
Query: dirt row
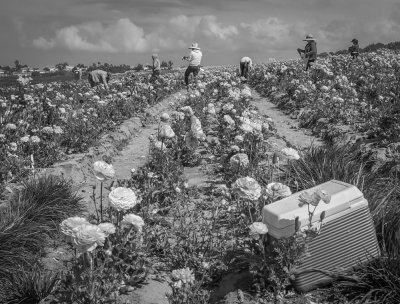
134 153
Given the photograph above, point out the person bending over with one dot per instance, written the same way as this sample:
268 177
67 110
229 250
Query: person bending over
97 77
246 65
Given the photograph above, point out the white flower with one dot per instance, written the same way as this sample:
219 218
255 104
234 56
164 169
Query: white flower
160 145
122 198
35 139
276 190
47 130
24 139
291 153
240 160
166 132
103 171
107 228
13 146
11 126
164 117
185 275
87 237
70 223
247 187
229 120
133 220
258 228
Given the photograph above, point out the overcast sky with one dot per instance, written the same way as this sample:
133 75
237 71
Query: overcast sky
45 32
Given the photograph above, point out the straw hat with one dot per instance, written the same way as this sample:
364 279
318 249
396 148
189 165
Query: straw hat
309 37
194 46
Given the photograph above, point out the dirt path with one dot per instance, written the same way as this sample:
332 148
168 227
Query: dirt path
135 152
287 128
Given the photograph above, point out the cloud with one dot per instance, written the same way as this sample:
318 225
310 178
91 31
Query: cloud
124 36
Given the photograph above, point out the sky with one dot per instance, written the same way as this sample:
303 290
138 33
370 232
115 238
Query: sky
46 32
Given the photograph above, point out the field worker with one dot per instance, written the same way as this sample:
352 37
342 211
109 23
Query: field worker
310 51
156 66
99 76
354 49
78 73
194 59
246 64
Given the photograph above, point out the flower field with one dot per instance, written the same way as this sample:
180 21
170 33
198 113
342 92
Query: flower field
42 123
340 95
155 226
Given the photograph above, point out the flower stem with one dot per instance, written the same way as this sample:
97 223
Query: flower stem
101 201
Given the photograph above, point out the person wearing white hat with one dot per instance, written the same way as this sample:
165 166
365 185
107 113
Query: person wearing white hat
246 64
194 60
309 52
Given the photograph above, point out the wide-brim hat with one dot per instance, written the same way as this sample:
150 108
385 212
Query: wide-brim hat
194 46
309 37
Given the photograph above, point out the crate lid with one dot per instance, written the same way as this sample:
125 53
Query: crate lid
282 213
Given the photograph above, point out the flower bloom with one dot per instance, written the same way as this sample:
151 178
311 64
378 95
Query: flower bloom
133 220
11 126
13 146
24 139
315 198
87 237
247 187
258 228
107 228
103 171
166 132
185 275
160 145
70 223
276 190
164 117
122 198
291 153
240 160
35 139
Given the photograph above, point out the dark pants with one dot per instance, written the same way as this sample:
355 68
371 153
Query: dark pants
155 75
354 55
309 61
191 69
244 67
91 82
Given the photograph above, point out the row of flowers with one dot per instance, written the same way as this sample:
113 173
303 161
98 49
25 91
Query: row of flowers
362 94
46 122
215 118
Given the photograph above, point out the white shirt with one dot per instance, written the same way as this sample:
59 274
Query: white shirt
247 60
195 57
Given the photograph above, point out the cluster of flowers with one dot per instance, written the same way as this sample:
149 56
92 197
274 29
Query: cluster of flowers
58 118
358 93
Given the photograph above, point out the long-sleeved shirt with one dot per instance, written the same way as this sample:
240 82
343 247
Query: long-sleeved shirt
195 57
310 51
156 65
99 76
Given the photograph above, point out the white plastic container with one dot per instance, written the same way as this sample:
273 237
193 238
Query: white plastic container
347 234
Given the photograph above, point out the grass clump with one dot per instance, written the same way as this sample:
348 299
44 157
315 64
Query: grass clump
31 216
